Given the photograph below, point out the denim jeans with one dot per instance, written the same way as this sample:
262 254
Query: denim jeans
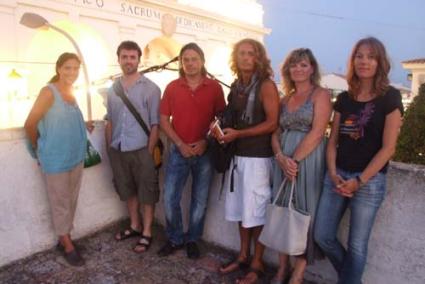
350 262
177 172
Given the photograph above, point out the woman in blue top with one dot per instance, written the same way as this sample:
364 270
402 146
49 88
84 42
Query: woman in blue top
363 138
57 133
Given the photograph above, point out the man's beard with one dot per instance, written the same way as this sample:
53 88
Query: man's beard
129 70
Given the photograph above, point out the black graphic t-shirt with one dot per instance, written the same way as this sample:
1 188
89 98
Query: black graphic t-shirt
361 128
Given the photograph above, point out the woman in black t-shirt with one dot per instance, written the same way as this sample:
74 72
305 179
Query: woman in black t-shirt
364 132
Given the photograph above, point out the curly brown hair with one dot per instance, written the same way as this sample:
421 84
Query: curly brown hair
380 80
294 57
262 62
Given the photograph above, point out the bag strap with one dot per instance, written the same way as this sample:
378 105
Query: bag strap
279 192
119 91
291 194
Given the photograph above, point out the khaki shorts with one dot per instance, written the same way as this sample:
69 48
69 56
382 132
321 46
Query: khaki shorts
252 191
135 174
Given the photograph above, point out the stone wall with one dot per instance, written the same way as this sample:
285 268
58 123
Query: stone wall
396 248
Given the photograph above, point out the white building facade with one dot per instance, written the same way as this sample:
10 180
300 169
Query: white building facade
417 73
27 56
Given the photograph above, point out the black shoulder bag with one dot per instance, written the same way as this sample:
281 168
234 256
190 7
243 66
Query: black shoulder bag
222 154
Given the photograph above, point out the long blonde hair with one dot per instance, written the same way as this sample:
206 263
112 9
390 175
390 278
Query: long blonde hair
262 62
294 57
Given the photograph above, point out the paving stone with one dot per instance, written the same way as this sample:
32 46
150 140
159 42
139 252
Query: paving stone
17 278
209 263
43 271
109 261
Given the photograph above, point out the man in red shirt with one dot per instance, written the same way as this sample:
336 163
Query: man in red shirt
192 101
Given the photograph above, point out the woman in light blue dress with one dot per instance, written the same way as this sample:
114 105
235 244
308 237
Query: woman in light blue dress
299 147
57 134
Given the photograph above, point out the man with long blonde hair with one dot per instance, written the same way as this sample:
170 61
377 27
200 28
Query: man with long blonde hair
255 102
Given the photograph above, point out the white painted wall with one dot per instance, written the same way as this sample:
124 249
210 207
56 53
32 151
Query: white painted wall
396 250
25 222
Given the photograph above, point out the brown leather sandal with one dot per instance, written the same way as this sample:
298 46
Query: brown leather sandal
143 244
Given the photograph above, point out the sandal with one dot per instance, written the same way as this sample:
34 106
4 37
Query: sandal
259 274
239 265
126 234
60 248
143 244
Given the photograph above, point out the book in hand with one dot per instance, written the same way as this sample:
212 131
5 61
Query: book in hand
216 130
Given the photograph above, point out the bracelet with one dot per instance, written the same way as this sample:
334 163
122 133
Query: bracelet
179 144
359 180
278 154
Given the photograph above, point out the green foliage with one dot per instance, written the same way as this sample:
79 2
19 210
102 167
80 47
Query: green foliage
411 142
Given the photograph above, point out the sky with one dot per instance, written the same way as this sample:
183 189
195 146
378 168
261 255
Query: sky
330 28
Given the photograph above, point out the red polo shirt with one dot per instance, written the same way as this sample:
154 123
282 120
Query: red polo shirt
192 110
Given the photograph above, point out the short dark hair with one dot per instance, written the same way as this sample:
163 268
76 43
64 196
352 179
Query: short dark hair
193 46
129 45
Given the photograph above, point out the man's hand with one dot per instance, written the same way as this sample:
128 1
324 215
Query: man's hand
153 138
151 146
230 135
186 150
199 147
215 130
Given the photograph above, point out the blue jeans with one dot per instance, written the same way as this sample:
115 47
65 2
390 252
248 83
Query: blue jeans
363 205
177 172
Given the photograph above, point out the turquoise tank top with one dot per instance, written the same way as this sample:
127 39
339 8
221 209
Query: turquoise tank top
62 136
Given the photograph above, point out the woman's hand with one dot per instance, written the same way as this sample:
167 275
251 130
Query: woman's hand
348 188
337 180
288 166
